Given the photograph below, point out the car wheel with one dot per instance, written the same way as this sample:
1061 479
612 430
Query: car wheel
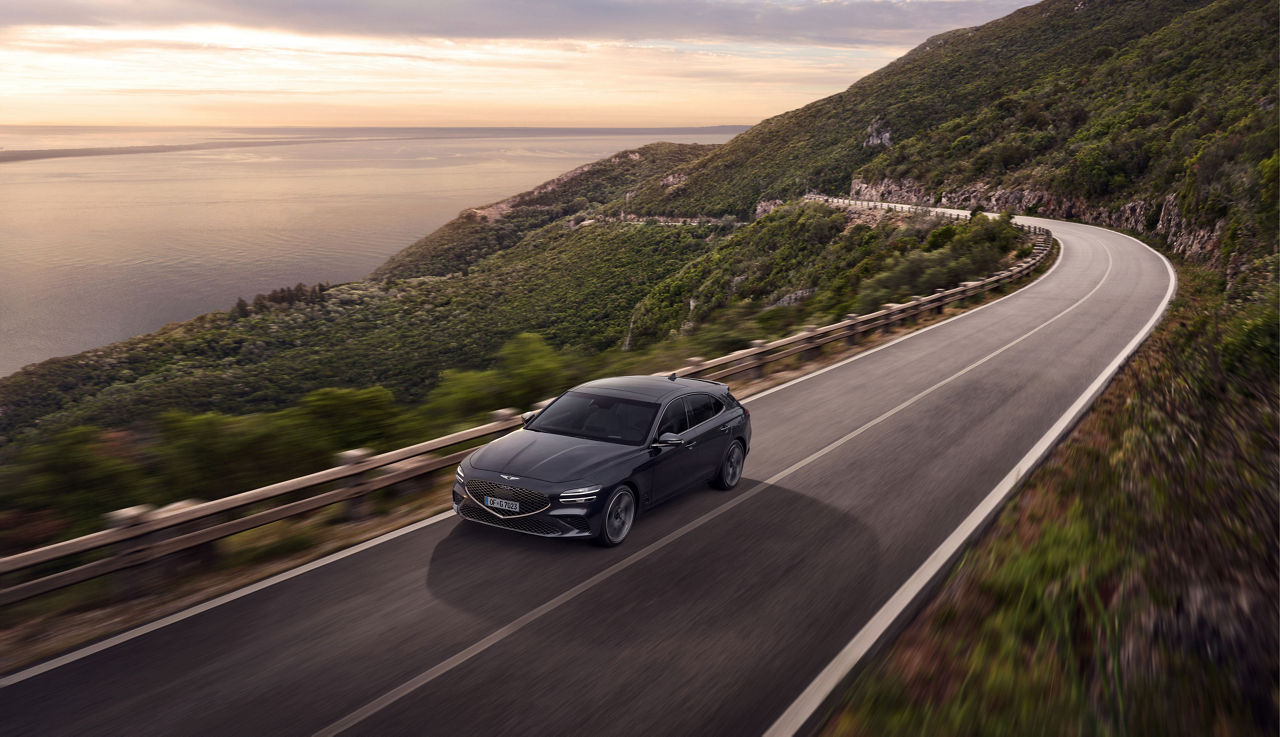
730 472
619 515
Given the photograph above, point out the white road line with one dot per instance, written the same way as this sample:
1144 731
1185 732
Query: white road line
812 698
413 684
97 647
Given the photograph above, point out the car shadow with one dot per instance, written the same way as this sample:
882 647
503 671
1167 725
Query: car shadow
774 541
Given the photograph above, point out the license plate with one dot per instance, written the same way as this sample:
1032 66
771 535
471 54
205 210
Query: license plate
502 504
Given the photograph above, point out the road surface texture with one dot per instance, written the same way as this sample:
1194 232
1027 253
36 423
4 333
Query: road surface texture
720 610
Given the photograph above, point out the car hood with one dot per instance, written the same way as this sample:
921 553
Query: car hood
547 457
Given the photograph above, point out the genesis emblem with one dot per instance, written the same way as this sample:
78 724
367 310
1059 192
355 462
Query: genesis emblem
508 478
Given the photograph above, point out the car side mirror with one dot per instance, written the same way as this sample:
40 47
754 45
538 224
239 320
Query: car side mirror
669 438
527 417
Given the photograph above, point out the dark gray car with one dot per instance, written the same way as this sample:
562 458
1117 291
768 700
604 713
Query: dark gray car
604 451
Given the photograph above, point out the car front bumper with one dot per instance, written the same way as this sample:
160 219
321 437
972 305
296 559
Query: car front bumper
556 519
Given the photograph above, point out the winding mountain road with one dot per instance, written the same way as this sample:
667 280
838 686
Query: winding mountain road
723 614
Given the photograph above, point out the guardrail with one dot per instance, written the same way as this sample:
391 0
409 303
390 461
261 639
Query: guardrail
140 535
141 539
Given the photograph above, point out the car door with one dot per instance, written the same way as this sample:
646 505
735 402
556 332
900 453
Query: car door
708 435
675 468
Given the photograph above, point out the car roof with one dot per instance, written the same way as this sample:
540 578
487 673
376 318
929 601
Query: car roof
649 388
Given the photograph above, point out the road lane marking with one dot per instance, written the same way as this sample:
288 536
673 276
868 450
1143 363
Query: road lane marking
97 647
417 682
815 695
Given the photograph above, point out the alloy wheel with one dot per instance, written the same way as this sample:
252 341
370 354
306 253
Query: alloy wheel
733 465
619 516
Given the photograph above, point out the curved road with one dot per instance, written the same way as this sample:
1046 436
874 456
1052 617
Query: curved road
722 613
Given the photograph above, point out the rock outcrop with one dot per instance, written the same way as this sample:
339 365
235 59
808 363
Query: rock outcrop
1184 238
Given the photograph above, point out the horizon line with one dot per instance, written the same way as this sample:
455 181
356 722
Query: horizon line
31 154
380 127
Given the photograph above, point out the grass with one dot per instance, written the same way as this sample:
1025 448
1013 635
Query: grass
1130 587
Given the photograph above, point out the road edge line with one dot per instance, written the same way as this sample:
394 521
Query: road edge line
802 714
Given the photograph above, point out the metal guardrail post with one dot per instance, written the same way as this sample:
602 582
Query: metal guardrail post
893 318
941 304
812 352
130 581
198 556
854 330
356 508
409 485
913 314
758 371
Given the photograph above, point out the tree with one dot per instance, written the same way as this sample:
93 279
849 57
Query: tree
462 394
79 476
352 418
530 370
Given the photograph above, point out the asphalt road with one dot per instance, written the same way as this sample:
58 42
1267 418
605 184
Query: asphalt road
717 613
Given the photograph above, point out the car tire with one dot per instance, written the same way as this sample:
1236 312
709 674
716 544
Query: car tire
730 471
619 517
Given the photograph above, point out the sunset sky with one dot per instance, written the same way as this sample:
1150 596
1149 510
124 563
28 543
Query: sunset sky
448 62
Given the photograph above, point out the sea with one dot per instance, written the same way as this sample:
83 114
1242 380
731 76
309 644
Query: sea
111 232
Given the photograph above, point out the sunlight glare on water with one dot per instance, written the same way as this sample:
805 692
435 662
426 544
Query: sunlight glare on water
101 248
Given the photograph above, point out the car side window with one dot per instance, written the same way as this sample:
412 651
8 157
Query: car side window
675 419
703 407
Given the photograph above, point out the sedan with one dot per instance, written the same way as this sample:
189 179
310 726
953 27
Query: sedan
603 452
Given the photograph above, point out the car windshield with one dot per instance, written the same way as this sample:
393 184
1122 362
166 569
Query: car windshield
597 417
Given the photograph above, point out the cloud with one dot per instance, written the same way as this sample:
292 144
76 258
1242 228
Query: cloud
248 91
449 62
819 22
210 75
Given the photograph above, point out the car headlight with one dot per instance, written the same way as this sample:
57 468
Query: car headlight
580 496
459 475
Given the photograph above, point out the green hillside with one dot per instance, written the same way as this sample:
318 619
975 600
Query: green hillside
486 230
809 260
1096 109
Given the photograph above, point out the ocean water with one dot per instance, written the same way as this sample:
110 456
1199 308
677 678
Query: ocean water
98 248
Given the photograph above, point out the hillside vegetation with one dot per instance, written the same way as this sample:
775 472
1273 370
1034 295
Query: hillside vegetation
1159 117
486 230
817 261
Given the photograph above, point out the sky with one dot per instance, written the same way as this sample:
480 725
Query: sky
628 63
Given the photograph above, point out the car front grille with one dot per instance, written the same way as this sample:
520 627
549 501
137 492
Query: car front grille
531 525
530 501
578 523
